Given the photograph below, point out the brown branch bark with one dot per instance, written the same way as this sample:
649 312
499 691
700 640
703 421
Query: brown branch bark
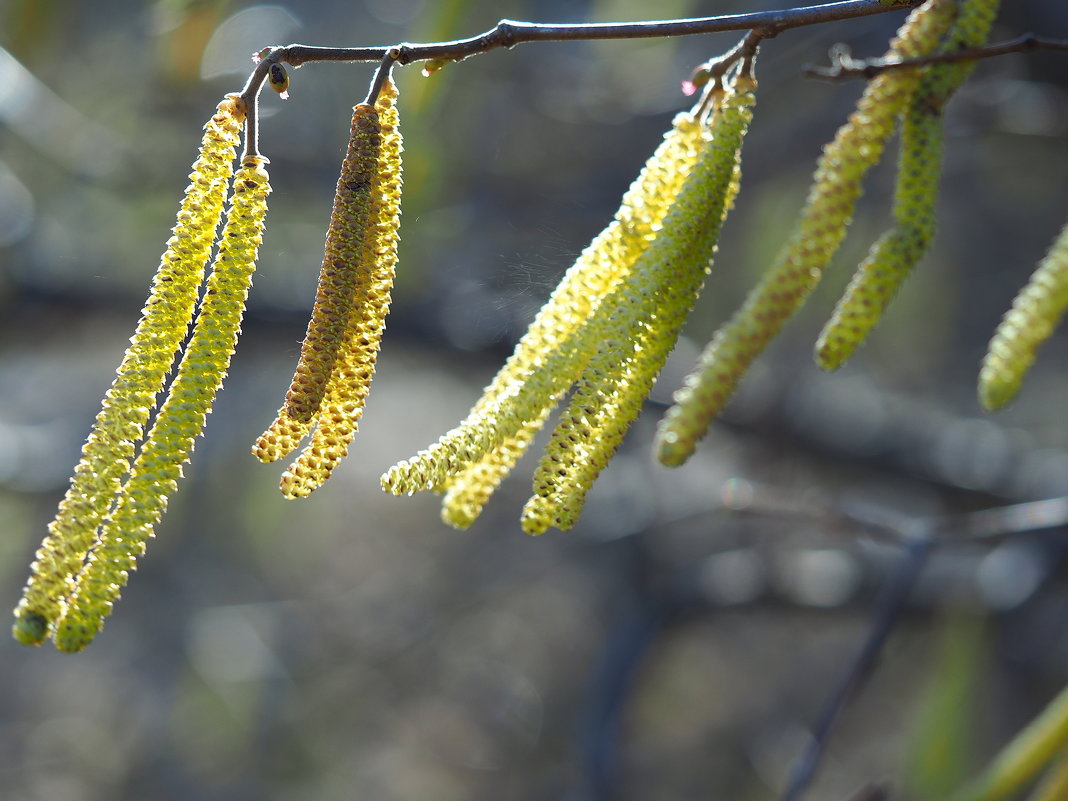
845 67
509 33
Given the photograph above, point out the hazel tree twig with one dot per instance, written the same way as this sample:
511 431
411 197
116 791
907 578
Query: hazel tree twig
843 66
509 33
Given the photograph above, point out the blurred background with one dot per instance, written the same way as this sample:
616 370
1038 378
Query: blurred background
351 646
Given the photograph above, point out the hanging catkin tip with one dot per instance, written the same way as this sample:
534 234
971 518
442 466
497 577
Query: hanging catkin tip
30 628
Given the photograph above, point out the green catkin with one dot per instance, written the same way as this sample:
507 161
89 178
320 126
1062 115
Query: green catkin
896 253
127 405
350 380
1035 313
155 473
856 147
345 254
648 317
469 461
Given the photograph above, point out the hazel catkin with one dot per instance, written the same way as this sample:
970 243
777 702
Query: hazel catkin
164 323
345 254
799 265
358 340
893 257
469 461
1035 313
155 473
647 316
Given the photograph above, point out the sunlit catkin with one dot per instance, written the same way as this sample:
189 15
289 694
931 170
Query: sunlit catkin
1035 313
799 265
648 316
354 367
469 461
155 473
346 260
896 253
126 407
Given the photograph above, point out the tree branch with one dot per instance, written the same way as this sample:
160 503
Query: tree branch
844 66
509 33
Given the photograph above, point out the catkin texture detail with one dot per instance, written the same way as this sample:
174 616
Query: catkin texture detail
158 467
649 315
350 381
893 257
1035 313
127 405
345 255
798 267
469 461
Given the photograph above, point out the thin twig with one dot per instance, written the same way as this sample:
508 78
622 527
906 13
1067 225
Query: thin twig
888 606
845 67
509 33
381 76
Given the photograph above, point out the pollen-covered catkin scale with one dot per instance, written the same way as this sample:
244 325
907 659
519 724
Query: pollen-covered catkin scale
799 265
896 253
1035 313
469 461
119 425
344 256
155 473
350 380
648 317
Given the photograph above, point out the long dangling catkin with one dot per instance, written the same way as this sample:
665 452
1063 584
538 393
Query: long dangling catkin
154 475
119 426
350 380
647 319
346 254
836 186
1035 313
896 253
469 461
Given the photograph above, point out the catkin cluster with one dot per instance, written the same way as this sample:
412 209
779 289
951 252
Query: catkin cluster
896 253
605 331
115 500
337 360
916 96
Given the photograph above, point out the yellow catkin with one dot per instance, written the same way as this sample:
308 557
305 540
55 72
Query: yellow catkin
350 381
1035 313
474 456
468 493
154 475
346 254
648 316
836 186
896 253
1054 786
164 324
